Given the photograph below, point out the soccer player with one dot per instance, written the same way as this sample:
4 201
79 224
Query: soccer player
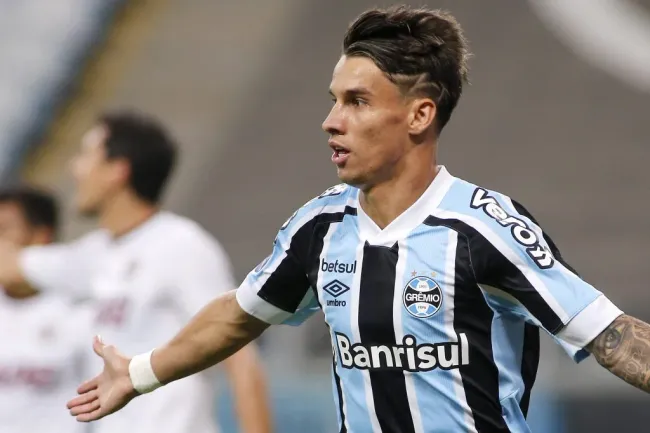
147 272
42 337
433 288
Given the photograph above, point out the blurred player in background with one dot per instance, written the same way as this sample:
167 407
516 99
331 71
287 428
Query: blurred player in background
148 272
42 336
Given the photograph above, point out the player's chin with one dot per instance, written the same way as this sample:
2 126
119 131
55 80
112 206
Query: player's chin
349 176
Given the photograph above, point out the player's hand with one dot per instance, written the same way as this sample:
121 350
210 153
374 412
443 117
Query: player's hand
106 393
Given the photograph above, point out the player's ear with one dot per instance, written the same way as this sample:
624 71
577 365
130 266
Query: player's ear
422 115
42 236
121 170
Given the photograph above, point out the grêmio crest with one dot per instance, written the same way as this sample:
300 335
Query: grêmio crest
422 297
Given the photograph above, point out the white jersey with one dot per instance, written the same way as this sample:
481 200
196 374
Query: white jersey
145 286
40 363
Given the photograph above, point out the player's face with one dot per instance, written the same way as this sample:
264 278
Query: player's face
14 228
97 178
368 124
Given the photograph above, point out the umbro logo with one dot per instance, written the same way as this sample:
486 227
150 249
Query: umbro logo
335 289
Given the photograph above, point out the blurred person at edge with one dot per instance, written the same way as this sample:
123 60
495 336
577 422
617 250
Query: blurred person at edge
147 271
42 345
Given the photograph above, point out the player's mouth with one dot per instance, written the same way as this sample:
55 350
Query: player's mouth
340 154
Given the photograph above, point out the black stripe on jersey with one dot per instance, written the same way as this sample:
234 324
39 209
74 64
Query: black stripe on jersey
376 294
473 316
554 249
494 269
321 225
335 217
529 363
339 393
287 285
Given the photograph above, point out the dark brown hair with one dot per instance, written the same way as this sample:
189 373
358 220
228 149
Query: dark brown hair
422 51
39 207
146 145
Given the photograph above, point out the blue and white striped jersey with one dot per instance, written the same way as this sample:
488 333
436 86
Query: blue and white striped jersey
434 319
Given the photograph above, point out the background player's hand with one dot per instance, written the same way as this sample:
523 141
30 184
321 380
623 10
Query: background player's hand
106 393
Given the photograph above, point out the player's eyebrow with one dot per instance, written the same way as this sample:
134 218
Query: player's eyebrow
353 92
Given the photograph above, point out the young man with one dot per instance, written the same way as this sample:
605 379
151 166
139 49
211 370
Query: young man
147 272
433 288
42 336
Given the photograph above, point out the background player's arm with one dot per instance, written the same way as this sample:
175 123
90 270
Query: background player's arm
624 349
61 268
248 384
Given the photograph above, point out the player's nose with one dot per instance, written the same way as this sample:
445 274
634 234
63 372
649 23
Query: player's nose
333 123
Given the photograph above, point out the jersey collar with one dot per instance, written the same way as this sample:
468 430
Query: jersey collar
410 218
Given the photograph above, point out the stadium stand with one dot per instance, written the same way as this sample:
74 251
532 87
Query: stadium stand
42 44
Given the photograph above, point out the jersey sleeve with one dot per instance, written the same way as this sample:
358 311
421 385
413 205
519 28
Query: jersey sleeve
278 289
510 252
63 268
199 270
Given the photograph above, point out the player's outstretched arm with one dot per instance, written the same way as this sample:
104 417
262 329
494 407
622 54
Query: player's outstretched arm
624 349
220 329
216 332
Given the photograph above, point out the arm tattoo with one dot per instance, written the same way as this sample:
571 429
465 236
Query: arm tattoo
624 349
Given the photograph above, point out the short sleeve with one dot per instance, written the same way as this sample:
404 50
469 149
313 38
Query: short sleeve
198 270
65 269
510 252
278 289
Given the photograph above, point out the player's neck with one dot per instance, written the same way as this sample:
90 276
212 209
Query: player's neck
124 214
385 201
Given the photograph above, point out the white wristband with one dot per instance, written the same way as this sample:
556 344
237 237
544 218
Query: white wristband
142 376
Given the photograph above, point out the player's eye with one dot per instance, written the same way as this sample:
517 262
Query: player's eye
359 101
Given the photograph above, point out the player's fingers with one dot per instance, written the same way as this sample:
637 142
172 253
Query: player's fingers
92 416
98 346
85 408
82 399
88 385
